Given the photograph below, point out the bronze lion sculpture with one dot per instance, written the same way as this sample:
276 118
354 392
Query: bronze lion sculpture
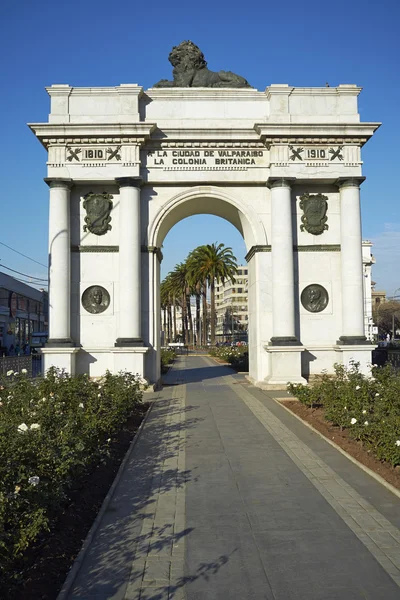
190 70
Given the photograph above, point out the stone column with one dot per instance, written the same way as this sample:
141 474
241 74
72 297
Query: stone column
351 262
282 263
129 332
59 263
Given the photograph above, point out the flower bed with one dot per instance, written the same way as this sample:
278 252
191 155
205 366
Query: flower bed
367 407
52 430
237 356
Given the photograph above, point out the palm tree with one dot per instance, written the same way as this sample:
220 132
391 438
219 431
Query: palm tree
168 297
199 286
180 282
214 263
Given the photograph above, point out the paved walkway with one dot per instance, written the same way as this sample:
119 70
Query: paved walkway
228 496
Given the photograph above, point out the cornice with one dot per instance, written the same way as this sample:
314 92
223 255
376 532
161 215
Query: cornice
74 131
270 131
301 248
199 94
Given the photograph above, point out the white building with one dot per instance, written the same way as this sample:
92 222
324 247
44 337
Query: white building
23 310
232 307
368 261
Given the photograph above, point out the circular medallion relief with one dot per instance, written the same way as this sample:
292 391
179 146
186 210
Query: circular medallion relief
95 299
314 298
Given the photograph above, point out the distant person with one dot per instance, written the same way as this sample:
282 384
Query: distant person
11 350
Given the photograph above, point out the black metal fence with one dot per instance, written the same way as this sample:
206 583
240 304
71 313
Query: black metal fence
383 355
32 364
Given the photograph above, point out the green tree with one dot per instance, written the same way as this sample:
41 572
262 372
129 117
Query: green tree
385 315
214 263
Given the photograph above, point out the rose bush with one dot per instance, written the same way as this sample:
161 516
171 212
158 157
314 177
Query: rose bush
367 407
52 430
237 356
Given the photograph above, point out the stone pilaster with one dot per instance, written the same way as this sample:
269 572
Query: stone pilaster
282 263
59 263
129 324
351 262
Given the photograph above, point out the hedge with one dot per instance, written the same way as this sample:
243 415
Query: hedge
368 407
52 430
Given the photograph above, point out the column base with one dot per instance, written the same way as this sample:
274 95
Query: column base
285 341
353 340
129 359
285 366
60 343
62 357
128 342
360 353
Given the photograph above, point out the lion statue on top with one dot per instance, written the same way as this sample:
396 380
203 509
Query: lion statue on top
190 70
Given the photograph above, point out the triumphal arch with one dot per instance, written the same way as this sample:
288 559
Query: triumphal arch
282 165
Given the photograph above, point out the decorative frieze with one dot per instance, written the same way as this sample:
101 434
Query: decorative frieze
254 249
303 248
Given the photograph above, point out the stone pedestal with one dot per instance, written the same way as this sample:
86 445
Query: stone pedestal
352 353
129 359
63 358
285 367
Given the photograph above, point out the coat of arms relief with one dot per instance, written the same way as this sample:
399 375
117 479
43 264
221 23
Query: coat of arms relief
98 208
314 207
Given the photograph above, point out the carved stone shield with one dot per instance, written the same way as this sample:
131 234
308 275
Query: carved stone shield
98 208
314 218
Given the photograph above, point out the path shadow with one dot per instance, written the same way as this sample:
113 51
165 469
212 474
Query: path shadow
198 374
128 529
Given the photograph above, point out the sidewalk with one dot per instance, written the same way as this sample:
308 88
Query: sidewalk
227 496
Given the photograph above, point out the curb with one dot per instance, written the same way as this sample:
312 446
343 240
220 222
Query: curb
74 570
367 470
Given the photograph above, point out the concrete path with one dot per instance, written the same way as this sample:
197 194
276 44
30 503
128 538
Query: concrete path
227 496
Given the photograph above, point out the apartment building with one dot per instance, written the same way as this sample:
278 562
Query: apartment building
232 307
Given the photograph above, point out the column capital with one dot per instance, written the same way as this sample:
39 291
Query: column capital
129 182
343 182
274 182
59 182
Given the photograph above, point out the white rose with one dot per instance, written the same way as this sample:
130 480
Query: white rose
10 372
35 426
22 428
353 421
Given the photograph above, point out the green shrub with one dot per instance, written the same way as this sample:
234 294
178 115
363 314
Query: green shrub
237 356
367 407
168 356
51 431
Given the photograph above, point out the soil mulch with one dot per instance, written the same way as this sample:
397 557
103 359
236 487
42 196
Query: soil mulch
45 567
316 418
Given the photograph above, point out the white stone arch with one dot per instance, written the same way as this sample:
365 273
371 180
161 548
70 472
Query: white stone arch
207 200
203 200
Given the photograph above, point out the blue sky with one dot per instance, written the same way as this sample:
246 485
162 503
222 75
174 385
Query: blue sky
88 43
